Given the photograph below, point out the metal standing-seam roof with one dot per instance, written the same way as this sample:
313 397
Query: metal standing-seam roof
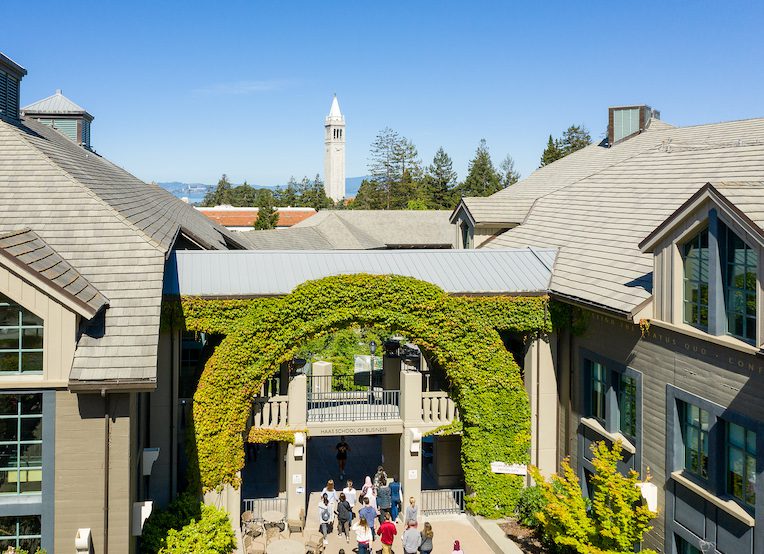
55 104
272 273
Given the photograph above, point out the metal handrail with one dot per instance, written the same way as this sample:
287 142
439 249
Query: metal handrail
354 405
442 501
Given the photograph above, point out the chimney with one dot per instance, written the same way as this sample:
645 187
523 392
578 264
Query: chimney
627 121
11 74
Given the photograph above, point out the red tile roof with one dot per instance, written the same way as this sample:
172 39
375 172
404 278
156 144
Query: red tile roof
246 217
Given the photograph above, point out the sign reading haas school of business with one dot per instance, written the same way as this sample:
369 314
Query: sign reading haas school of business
512 469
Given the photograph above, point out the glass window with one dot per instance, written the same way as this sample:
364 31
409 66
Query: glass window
695 254
739 278
741 463
598 390
627 405
21 335
192 360
695 425
684 547
20 443
20 532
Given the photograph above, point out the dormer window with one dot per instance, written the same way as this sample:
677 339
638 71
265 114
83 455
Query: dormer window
717 258
695 255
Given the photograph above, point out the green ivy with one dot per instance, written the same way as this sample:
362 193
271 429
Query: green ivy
458 334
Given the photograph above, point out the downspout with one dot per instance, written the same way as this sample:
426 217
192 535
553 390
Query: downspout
107 440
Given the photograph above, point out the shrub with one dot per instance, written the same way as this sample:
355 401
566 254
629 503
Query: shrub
614 522
530 503
179 513
212 534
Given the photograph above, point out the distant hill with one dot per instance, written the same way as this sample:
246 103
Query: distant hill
195 191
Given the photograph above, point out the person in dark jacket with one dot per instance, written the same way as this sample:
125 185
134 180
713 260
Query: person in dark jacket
396 495
384 502
344 515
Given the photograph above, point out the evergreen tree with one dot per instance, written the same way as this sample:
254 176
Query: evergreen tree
370 196
267 215
220 195
482 178
395 168
551 153
288 196
313 195
440 181
508 174
575 138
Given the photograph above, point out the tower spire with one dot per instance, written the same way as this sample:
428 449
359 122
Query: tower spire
334 152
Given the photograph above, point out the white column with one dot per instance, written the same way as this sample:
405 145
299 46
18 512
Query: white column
411 414
541 385
296 466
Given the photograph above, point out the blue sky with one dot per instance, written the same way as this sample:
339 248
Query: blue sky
190 90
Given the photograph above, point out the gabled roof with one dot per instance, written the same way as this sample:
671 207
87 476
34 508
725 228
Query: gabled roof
25 251
744 201
55 104
599 221
112 229
486 211
240 274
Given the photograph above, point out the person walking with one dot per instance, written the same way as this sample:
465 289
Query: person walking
380 477
387 532
343 448
324 516
350 494
457 548
369 514
331 494
364 535
344 515
367 484
427 535
395 497
411 538
384 502
412 511
372 498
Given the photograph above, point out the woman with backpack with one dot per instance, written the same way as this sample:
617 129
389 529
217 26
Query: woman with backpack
324 516
344 515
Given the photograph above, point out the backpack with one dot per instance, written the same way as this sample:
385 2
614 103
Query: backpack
324 515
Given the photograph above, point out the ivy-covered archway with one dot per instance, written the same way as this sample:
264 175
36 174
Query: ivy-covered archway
460 334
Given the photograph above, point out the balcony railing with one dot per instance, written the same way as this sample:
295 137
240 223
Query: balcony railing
438 408
259 505
350 398
270 412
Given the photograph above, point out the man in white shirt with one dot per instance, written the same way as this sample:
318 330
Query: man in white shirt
351 495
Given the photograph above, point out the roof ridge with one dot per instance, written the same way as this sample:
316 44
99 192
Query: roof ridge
149 239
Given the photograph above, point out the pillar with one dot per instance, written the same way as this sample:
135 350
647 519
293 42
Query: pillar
541 385
321 373
296 466
411 415
411 469
229 499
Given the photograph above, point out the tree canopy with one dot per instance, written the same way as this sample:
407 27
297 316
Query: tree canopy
482 177
267 215
573 138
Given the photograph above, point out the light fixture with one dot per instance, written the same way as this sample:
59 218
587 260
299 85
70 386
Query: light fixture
299 445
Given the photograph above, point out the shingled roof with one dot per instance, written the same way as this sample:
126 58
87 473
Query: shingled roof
111 228
29 251
599 219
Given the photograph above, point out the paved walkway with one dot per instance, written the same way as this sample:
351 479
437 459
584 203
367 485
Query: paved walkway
446 530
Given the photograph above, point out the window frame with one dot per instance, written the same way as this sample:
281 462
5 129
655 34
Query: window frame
719 416
745 455
698 281
20 327
684 423
720 227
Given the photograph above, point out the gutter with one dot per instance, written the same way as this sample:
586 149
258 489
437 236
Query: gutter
112 385
589 305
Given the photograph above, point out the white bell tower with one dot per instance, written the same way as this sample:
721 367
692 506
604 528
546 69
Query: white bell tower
334 153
